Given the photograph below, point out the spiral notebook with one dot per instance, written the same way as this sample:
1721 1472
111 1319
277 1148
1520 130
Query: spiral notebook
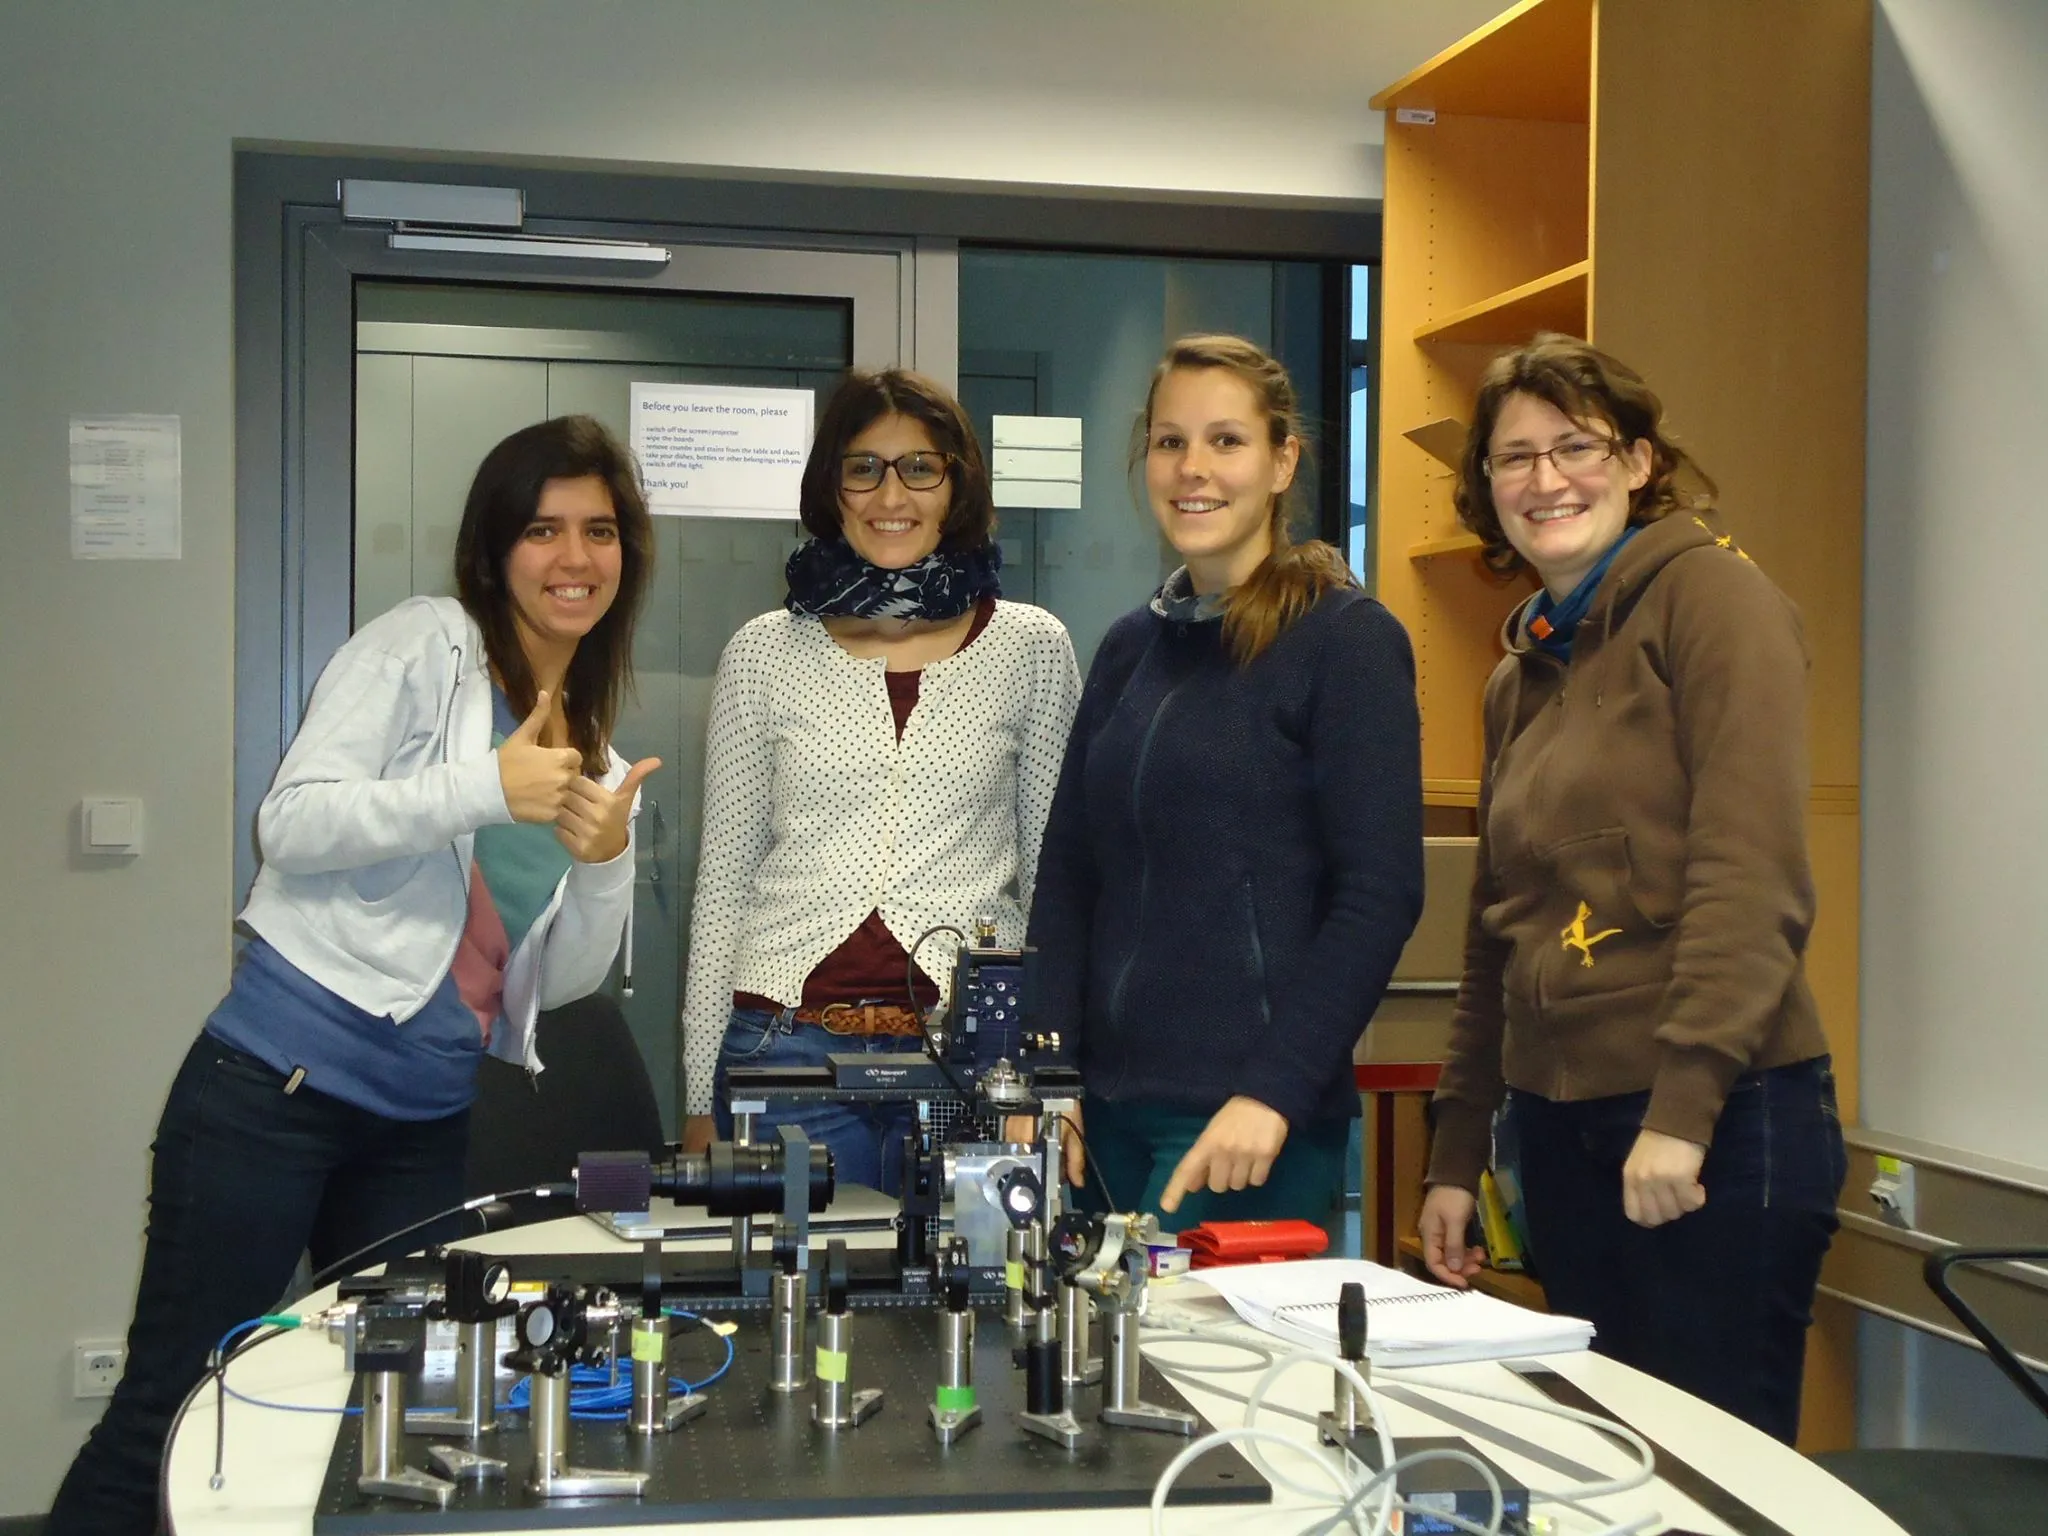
1408 1321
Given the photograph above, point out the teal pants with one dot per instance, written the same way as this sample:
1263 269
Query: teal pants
1135 1146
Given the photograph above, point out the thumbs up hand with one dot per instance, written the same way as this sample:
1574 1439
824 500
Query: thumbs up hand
592 821
536 778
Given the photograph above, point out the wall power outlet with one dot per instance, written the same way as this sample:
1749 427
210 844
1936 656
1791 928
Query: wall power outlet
96 1364
1895 1194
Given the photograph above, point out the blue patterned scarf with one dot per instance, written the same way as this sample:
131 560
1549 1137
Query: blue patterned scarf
827 579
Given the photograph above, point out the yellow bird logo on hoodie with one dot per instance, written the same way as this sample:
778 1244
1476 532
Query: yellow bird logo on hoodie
1576 937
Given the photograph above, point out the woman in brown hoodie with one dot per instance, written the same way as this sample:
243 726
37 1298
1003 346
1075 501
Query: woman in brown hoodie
1634 987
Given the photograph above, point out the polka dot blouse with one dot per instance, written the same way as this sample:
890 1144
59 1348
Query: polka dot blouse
816 815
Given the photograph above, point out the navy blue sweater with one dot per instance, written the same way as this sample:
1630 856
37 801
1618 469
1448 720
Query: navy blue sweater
1233 859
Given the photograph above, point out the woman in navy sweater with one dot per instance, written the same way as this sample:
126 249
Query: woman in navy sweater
1233 859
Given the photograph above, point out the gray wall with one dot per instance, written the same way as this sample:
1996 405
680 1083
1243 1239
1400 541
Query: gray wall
1920 1391
119 122
1955 1021
1955 734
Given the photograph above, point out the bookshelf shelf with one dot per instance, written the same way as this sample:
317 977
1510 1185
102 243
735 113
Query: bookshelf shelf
1553 302
1450 544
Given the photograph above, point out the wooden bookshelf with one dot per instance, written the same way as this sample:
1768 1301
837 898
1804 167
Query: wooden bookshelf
1450 792
1449 544
1686 184
1554 302
1528 62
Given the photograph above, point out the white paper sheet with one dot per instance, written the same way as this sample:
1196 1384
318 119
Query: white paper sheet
1408 1321
126 485
721 450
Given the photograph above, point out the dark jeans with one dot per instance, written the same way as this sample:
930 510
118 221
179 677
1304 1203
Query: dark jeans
244 1179
1135 1144
1718 1301
866 1139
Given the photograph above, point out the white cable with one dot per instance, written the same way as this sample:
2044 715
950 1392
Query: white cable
1265 1354
1644 1473
1350 1373
1347 1511
1391 1466
1244 1434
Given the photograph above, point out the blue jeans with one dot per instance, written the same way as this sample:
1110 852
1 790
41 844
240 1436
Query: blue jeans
866 1139
1718 1301
244 1179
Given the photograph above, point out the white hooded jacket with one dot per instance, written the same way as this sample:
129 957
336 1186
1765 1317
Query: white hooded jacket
367 832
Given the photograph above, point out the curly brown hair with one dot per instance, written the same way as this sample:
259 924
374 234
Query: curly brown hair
1593 389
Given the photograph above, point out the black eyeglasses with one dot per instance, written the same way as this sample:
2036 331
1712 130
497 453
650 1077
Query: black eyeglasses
1574 457
923 470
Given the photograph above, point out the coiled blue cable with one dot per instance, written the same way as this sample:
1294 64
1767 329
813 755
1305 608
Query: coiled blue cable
593 1394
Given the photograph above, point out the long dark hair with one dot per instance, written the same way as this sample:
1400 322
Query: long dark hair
1293 577
863 399
502 501
1593 389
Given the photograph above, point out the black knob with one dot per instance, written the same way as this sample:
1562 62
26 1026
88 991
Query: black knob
1351 1321
835 1276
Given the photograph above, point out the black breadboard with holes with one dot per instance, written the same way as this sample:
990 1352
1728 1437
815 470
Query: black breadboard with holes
755 1455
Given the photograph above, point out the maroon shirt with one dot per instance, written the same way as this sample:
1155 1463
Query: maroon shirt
870 964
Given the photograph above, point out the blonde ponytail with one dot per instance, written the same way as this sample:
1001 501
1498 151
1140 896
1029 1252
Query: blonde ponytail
1293 577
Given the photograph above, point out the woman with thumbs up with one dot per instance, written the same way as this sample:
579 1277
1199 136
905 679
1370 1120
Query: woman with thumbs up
447 849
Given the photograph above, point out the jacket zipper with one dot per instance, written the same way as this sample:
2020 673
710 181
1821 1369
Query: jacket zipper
1251 924
447 757
1116 996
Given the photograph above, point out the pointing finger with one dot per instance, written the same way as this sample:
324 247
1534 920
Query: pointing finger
1192 1167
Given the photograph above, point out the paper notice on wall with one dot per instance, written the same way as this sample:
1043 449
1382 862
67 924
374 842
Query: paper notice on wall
1036 461
125 486
721 451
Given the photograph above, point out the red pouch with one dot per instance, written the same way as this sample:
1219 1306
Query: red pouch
1253 1242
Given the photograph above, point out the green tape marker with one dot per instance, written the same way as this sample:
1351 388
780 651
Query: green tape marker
831 1364
953 1399
1013 1274
649 1345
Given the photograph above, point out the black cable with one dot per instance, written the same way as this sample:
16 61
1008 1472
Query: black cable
958 1083
163 1466
564 1190
910 962
216 1371
1087 1157
959 1086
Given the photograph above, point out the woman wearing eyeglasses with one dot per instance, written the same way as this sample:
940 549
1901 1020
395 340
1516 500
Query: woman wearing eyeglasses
882 754
1635 987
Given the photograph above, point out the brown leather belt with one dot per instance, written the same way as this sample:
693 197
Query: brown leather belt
862 1019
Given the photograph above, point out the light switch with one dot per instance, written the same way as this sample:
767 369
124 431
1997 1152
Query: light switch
112 826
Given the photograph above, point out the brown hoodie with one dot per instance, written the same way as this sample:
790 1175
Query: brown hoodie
1642 902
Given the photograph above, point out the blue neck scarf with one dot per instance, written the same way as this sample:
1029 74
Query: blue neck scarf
1551 623
826 578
